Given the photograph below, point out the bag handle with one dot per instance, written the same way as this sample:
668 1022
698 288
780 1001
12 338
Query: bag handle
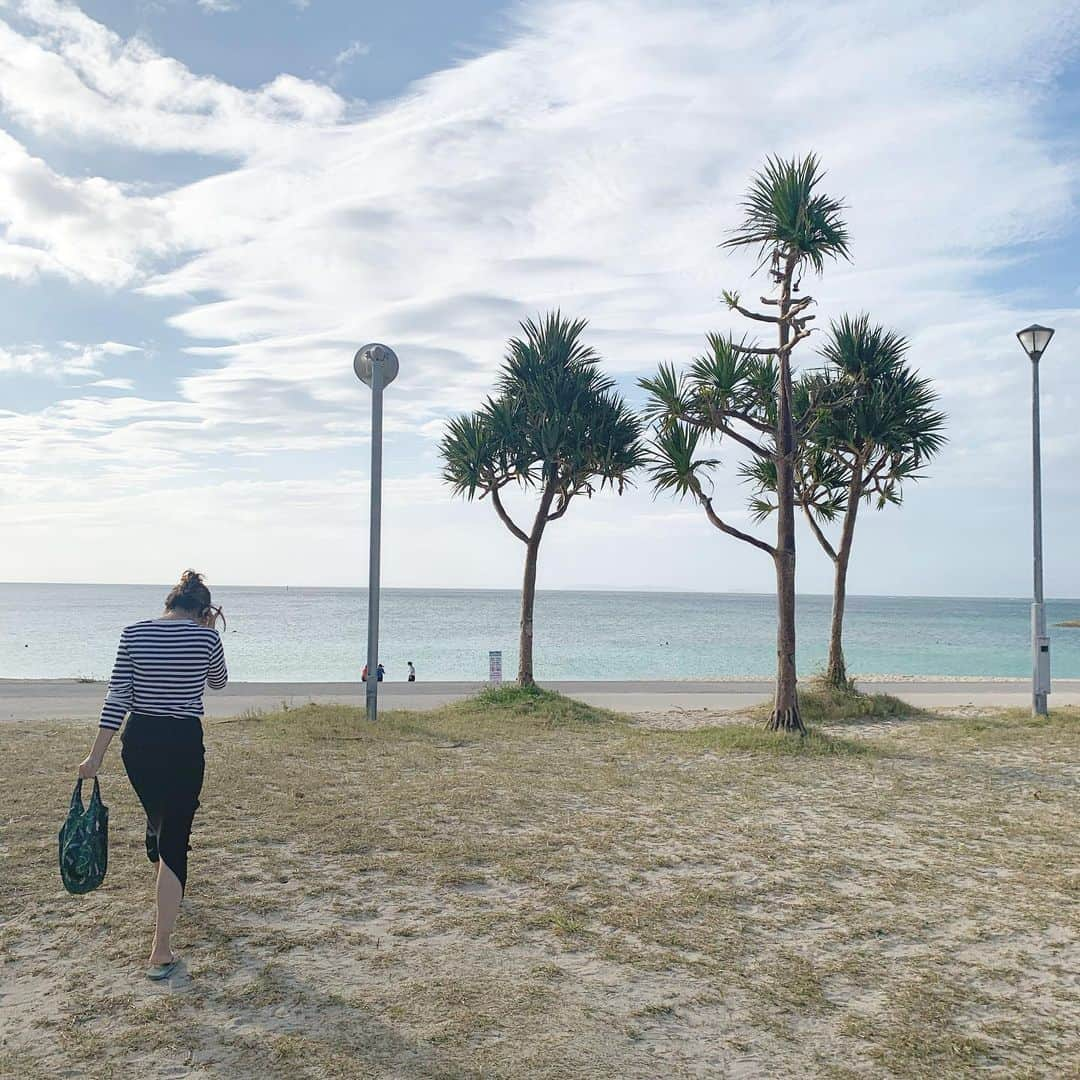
76 796
95 796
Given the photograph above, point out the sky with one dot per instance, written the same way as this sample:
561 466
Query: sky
206 207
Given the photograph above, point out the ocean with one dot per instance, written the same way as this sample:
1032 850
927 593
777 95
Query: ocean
316 635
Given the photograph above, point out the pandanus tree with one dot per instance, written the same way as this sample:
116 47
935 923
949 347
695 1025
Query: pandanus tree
873 424
555 426
743 392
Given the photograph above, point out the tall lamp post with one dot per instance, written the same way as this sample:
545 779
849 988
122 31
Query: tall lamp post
376 366
1033 340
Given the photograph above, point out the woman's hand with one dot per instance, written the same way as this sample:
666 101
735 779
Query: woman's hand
89 767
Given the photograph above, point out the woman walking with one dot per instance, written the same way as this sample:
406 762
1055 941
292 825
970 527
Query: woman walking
162 667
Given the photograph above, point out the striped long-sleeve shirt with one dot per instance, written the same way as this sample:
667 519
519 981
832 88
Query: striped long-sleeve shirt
162 667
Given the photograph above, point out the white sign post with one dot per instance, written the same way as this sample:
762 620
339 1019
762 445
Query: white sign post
495 667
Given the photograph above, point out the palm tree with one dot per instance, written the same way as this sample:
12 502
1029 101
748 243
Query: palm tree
872 424
555 425
744 391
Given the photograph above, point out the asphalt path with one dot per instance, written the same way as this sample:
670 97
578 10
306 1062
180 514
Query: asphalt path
28 699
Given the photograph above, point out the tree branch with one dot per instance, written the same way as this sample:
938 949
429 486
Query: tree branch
794 309
723 526
564 504
822 539
506 519
746 313
749 421
776 350
750 445
713 425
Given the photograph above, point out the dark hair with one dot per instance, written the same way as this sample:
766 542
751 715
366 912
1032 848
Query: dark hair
191 594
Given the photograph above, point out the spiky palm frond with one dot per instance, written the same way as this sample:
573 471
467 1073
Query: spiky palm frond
785 215
760 475
556 420
875 414
602 447
821 483
467 450
721 371
862 351
672 464
667 398
548 350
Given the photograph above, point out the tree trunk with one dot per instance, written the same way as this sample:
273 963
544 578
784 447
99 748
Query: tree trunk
528 596
836 670
528 589
785 714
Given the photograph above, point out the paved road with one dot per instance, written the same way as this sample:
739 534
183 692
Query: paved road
24 699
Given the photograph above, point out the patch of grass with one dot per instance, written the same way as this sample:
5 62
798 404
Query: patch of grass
822 703
520 885
753 738
532 703
926 1034
1007 726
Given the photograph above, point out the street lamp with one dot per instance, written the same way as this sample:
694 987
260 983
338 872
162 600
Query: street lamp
376 366
1033 340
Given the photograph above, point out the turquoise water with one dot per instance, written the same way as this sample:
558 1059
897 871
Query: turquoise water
312 635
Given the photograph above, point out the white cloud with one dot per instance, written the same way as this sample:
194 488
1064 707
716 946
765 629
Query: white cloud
114 384
344 58
217 6
350 53
72 76
70 359
593 162
87 228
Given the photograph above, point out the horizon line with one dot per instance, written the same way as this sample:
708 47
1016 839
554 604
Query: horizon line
647 590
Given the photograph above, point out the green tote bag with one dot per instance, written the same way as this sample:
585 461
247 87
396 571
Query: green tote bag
84 842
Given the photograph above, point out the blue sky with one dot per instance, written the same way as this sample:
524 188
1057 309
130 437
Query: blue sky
205 207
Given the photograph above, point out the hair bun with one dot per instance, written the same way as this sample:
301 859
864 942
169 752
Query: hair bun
190 581
191 594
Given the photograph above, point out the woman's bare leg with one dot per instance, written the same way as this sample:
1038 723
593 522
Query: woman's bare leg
169 895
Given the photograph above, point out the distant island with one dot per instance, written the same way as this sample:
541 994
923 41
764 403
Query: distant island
1069 622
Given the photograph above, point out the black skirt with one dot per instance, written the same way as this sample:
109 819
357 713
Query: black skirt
164 759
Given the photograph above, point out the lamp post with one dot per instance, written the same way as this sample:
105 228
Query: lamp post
1033 340
375 366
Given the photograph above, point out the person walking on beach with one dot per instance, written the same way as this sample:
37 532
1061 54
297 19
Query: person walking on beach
380 672
162 667
412 672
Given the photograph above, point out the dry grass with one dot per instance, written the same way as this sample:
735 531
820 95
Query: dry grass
822 703
528 887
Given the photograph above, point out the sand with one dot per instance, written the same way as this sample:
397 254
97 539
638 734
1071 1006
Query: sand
449 895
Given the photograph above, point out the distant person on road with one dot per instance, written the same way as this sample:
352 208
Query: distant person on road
163 665
412 672
380 672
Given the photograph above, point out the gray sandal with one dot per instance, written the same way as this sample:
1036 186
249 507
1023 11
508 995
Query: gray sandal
162 971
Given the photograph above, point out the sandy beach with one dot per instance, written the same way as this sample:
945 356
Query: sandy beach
26 699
